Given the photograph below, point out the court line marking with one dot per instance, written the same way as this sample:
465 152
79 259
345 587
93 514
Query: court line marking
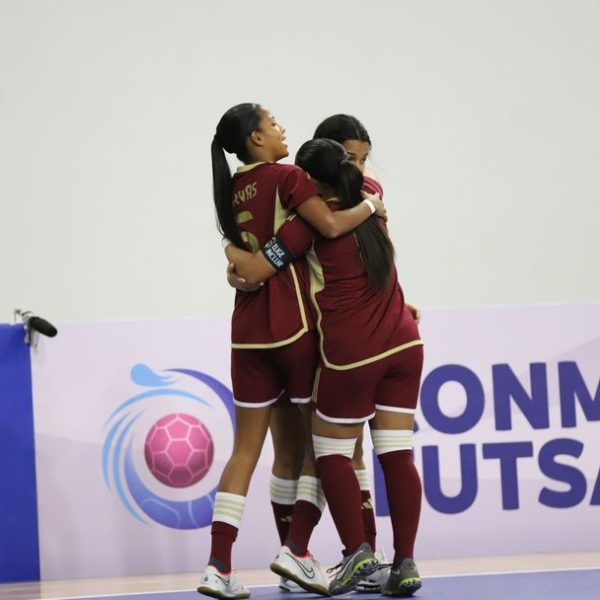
488 573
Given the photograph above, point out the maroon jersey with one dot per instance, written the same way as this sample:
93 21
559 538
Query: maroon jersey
372 186
356 325
278 313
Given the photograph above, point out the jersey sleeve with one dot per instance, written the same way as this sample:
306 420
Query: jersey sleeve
297 235
372 186
295 188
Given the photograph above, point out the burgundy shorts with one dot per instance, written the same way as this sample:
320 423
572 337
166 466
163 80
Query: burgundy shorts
354 395
261 377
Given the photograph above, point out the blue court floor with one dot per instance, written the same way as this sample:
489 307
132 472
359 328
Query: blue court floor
575 584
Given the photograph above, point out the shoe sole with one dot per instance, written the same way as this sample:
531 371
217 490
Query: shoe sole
368 589
206 591
366 568
406 588
315 588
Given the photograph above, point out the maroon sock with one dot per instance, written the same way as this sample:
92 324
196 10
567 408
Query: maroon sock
223 536
403 486
343 496
368 517
305 517
283 518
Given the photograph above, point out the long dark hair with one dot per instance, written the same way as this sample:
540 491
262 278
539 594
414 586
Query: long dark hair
342 128
327 161
233 130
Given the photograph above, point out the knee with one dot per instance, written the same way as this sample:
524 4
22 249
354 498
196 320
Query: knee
287 463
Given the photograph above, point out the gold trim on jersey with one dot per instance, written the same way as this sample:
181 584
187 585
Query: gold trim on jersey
279 217
249 167
317 284
280 214
294 337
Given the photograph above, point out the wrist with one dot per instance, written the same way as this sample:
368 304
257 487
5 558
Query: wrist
370 204
226 242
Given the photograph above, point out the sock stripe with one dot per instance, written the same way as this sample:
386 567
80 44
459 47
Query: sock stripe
363 479
283 491
310 490
325 446
391 440
229 508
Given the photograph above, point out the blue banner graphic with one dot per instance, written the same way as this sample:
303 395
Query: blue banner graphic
19 547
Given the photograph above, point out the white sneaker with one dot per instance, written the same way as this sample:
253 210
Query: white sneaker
374 582
287 585
303 570
218 585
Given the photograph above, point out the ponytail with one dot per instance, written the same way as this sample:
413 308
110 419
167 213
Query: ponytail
327 162
374 245
232 132
223 194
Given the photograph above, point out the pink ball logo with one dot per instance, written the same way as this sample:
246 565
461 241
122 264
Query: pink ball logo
179 450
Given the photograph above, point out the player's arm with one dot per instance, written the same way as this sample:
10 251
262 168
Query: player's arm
331 224
252 268
415 312
292 240
239 283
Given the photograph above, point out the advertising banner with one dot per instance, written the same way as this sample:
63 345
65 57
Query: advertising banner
134 422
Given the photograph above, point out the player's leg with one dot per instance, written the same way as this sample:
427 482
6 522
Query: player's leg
293 562
334 446
368 514
298 362
256 387
288 457
392 435
310 499
344 401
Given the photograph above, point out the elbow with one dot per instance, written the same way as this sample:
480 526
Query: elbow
254 281
251 278
330 230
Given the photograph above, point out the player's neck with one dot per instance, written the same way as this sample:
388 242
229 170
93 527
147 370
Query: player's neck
262 156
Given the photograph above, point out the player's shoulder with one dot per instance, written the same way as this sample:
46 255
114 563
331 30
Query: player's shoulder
286 169
372 185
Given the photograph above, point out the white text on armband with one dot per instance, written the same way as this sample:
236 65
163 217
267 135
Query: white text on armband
277 253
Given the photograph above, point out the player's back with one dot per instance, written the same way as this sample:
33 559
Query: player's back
264 194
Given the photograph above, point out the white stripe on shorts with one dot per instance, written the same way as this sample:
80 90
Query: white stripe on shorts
340 420
300 400
398 409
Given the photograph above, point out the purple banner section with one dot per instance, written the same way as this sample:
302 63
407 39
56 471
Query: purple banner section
19 547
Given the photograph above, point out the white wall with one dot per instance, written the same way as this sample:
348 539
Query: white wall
484 117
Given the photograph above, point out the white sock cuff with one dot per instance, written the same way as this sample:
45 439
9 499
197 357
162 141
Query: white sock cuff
229 508
310 490
363 480
283 491
391 440
325 446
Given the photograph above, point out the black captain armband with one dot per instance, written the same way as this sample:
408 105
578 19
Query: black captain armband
277 253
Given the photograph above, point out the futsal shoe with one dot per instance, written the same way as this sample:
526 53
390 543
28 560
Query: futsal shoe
303 570
287 585
374 582
404 579
354 567
219 585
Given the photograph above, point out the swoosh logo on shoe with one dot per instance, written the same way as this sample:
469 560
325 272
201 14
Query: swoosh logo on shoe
224 580
310 573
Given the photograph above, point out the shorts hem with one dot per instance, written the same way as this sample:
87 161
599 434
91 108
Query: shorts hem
256 404
396 409
301 400
343 419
